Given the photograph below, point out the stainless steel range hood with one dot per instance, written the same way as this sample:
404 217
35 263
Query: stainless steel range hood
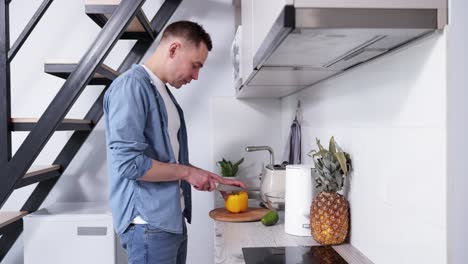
307 45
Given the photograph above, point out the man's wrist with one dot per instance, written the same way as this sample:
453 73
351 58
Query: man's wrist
184 172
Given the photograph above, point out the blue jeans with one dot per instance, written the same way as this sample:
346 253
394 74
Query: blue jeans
146 244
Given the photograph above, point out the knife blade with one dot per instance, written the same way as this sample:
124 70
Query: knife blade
231 188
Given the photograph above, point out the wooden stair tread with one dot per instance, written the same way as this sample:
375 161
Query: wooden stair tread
66 120
71 65
106 9
74 63
10 217
102 2
104 74
36 170
37 174
67 124
135 25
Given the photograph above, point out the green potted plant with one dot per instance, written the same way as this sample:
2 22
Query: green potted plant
229 168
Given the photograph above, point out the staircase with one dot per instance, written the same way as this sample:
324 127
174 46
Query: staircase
119 20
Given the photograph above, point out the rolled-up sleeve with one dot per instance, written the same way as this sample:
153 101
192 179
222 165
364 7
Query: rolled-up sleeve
125 107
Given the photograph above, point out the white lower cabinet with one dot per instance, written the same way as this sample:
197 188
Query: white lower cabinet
71 233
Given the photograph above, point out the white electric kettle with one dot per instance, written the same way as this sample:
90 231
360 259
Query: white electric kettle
272 178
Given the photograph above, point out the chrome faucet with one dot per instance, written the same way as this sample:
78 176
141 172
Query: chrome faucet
258 148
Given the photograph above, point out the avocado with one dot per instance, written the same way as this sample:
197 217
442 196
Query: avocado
270 218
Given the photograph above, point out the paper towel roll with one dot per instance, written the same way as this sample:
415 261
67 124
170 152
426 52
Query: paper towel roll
299 193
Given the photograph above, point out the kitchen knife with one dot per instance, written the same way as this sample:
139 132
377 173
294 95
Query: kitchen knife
231 188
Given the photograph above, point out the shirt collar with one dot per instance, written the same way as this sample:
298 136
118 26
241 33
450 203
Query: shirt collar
154 79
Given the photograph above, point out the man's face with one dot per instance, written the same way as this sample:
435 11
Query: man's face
186 60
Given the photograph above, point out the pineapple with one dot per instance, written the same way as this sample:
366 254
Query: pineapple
329 212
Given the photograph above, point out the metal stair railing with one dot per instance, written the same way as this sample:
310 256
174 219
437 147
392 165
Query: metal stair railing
5 134
95 113
63 101
6 56
12 170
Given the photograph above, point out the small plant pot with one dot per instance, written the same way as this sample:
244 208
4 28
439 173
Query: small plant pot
232 177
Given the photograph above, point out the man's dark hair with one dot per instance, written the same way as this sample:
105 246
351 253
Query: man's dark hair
190 31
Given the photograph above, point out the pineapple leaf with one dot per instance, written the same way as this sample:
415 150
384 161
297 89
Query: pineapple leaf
321 153
348 161
332 145
326 164
340 156
319 145
339 182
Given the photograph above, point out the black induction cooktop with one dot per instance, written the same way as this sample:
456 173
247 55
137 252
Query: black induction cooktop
292 255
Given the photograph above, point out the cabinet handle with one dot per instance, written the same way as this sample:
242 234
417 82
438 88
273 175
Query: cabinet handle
91 231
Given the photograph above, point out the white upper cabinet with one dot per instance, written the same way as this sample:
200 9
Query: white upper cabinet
258 17
264 14
287 45
246 40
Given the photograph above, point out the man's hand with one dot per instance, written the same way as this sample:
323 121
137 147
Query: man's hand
226 181
203 180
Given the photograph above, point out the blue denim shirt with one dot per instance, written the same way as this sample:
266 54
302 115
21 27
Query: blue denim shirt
136 133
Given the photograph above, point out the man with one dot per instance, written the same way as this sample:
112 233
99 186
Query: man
149 170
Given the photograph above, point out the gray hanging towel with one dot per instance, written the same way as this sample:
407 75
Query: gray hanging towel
292 154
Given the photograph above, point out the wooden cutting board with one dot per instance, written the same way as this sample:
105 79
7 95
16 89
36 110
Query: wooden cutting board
252 214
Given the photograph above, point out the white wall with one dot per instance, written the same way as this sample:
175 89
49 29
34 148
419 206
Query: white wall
457 127
241 123
390 115
65 32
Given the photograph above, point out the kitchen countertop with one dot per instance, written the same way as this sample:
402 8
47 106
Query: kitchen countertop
230 238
